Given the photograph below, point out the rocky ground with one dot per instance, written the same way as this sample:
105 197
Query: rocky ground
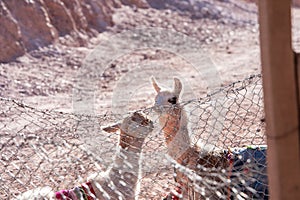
47 77
230 39
222 35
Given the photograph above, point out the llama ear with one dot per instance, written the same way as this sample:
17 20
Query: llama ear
112 129
156 87
177 86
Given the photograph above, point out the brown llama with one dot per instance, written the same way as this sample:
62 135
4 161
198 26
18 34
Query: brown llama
174 122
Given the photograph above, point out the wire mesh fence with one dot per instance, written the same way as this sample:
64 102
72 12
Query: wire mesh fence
45 148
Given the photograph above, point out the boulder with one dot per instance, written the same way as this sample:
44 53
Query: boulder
60 17
33 21
75 8
11 45
27 25
137 3
98 16
296 3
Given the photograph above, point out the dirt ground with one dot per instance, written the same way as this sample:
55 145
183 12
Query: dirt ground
47 78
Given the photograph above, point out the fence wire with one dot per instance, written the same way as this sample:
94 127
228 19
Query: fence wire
45 148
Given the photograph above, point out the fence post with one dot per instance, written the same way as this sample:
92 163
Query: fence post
281 99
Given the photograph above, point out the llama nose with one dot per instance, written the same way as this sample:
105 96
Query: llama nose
158 107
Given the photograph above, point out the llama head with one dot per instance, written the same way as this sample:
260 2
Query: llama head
133 131
136 125
167 98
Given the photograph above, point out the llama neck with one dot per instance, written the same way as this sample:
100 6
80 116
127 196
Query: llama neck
122 177
125 172
174 123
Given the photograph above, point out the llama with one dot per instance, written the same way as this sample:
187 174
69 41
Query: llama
121 180
174 122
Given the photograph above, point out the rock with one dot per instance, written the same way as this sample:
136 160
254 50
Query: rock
60 17
36 28
97 14
296 3
137 3
27 25
157 4
11 45
74 7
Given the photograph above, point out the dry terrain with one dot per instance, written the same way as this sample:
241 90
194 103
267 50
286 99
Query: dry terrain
93 74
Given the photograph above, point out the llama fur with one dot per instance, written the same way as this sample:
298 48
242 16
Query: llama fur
121 180
173 120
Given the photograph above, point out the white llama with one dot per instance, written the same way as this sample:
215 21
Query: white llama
121 180
174 122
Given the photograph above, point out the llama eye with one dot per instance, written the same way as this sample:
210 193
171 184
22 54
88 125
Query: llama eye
172 100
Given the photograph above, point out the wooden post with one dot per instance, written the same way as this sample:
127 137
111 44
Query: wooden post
281 99
297 63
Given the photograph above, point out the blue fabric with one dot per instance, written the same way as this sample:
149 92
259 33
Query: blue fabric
249 171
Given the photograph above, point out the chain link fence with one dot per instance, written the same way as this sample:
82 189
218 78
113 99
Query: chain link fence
45 147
